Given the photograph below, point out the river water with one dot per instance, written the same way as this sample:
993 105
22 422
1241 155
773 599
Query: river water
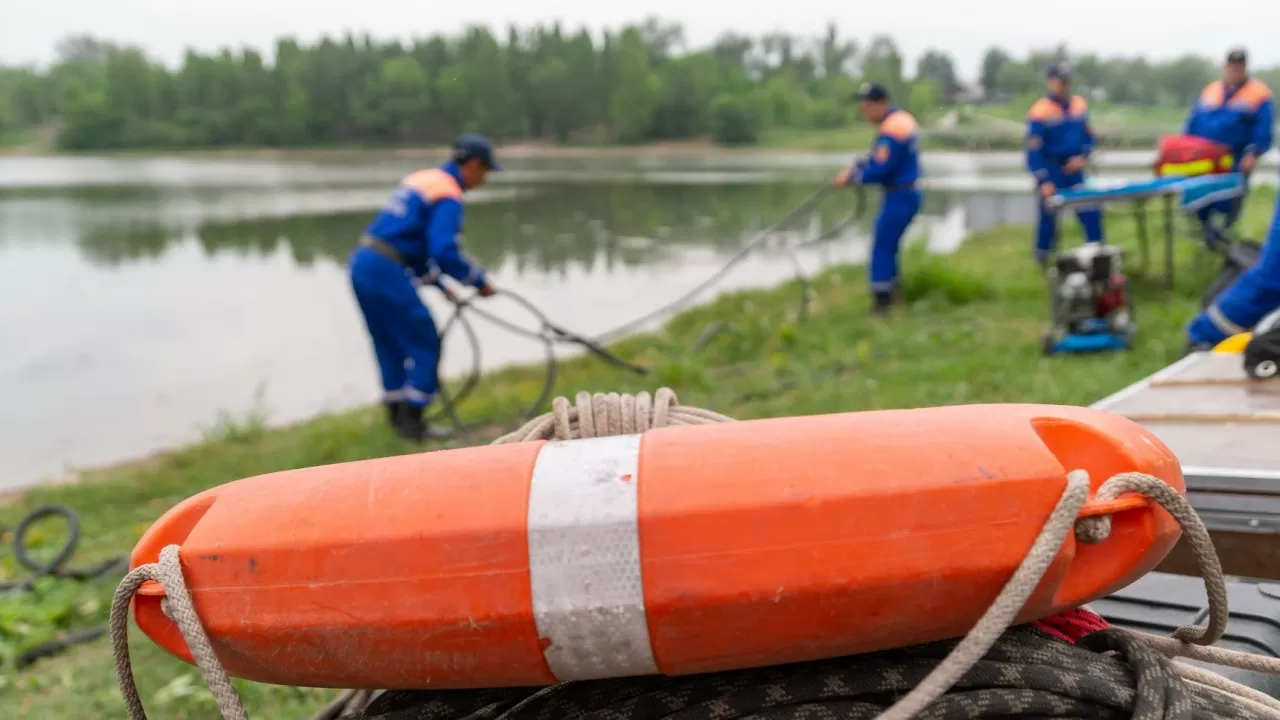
142 298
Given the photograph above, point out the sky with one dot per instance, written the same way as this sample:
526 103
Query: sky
165 28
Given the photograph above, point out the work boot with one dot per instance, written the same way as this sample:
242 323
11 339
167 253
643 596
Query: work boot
394 408
882 304
410 424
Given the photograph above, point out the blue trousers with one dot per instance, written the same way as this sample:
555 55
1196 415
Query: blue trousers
897 211
1247 300
1047 227
405 340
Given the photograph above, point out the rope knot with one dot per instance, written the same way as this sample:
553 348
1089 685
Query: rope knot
1094 530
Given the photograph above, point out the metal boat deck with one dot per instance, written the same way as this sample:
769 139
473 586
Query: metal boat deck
1225 430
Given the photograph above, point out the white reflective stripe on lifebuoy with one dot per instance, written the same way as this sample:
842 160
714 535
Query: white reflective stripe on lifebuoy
584 559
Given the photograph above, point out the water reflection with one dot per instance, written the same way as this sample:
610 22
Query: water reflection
545 231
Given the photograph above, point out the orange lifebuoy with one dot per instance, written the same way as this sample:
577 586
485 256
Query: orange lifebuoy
682 550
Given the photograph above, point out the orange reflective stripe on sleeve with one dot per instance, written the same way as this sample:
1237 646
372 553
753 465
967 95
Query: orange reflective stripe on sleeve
899 126
1253 94
434 184
1044 110
1212 94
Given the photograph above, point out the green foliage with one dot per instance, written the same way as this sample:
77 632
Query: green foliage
635 91
923 98
937 68
735 121
936 281
826 114
634 86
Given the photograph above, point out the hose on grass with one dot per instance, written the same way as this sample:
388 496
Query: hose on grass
550 334
56 568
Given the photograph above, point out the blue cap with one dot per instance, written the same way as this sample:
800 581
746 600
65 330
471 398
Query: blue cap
470 147
873 91
1060 70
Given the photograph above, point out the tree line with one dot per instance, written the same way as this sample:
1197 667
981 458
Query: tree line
641 83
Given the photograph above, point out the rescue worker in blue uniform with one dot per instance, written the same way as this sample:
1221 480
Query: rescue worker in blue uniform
411 241
893 164
1059 142
1238 112
1246 301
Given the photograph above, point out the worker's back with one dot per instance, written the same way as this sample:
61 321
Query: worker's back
1229 117
404 222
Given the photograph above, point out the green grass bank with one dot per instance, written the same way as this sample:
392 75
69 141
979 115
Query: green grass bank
971 334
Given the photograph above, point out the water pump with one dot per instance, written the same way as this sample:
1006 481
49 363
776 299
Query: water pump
1089 299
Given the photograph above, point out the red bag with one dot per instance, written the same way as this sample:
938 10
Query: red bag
1189 156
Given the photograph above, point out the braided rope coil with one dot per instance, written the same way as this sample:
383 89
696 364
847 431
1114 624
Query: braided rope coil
604 414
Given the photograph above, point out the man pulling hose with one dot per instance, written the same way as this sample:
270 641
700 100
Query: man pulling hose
413 239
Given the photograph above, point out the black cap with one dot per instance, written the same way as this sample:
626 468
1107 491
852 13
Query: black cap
469 147
873 91
1060 70
1238 56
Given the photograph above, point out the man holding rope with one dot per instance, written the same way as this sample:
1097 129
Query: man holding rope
894 164
411 241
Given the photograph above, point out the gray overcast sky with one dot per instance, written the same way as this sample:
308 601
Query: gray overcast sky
164 28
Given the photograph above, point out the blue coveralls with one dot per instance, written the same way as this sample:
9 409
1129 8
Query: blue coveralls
421 221
1240 118
1247 300
894 164
1058 130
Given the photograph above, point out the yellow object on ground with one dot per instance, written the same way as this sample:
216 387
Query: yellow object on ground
1233 344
